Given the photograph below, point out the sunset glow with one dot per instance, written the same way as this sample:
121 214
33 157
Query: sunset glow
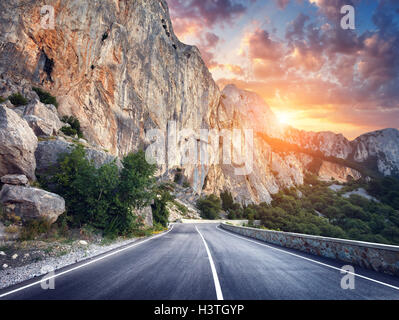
295 55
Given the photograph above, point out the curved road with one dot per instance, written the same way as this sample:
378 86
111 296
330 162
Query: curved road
203 262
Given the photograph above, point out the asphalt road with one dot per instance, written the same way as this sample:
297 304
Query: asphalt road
202 262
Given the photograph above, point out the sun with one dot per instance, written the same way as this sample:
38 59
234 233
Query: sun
283 118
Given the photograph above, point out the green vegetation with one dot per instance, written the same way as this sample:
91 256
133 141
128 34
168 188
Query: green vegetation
386 190
74 128
318 210
2 99
18 99
210 207
45 97
183 209
234 210
159 210
104 198
34 228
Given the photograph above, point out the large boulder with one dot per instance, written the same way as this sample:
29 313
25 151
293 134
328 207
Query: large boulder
42 118
48 153
17 145
15 179
31 203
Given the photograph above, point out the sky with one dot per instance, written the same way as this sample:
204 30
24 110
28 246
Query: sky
314 75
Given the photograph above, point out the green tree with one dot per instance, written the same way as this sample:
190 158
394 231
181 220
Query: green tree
210 206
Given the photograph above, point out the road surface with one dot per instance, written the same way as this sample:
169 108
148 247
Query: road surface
203 262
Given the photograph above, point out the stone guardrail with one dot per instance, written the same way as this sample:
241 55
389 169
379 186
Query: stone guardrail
378 257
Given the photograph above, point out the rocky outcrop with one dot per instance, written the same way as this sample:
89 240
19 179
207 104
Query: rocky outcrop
49 152
16 180
43 119
328 143
17 145
377 150
31 203
116 65
332 171
380 147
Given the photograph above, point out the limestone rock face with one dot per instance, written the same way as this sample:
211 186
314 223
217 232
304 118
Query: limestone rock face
31 203
43 119
116 65
17 145
332 171
240 110
329 143
382 146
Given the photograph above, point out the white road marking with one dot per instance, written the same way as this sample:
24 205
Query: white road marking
218 289
84 265
308 259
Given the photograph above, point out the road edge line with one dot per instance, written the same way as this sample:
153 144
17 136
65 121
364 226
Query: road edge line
311 260
219 293
84 264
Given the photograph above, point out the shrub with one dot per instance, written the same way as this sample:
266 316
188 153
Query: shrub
45 97
2 99
18 99
104 198
227 200
210 206
74 128
160 211
183 209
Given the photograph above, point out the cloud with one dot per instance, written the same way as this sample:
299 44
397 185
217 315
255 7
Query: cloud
205 13
282 4
349 77
261 46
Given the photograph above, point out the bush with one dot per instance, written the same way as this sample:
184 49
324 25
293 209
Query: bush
104 198
160 212
45 97
2 99
227 201
74 128
210 207
18 99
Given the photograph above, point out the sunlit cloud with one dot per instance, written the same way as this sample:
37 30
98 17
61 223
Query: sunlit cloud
313 74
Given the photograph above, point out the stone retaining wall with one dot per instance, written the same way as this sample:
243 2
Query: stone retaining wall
378 257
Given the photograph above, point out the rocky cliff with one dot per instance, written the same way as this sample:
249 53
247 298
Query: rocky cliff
116 65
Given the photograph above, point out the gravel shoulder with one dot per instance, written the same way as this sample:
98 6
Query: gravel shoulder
21 261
